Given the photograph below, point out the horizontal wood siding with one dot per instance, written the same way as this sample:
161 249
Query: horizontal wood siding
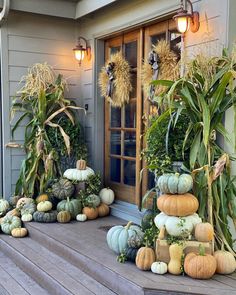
36 39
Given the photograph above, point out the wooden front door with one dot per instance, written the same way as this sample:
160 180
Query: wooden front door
124 126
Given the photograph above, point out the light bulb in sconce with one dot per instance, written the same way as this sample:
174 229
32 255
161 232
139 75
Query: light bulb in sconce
81 51
185 20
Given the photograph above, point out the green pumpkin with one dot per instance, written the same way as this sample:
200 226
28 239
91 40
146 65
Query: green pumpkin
92 201
73 206
175 183
4 205
28 209
131 253
63 189
13 200
117 236
9 223
50 216
148 219
135 241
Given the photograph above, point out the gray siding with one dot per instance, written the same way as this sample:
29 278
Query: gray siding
33 39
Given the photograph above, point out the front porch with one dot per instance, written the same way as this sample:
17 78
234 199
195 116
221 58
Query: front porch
75 259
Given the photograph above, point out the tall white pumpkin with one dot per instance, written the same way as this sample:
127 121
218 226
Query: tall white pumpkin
107 196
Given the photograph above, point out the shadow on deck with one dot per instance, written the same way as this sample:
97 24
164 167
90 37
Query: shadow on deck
74 259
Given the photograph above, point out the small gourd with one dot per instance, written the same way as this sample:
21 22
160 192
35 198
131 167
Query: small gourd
103 210
44 206
23 201
145 258
81 164
204 232
131 253
28 208
9 223
63 189
19 232
135 241
159 267
13 212
27 217
176 253
13 200
41 198
81 217
63 217
92 201
91 213
107 196
226 263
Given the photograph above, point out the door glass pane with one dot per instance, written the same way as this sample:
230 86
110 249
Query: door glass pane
131 53
133 93
114 50
158 37
130 114
129 172
115 117
115 169
115 147
175 42
130 144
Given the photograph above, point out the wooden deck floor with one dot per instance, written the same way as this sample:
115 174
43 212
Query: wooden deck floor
84 246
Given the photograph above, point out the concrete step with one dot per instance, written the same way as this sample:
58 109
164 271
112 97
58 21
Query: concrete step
14 281
95 269
52 272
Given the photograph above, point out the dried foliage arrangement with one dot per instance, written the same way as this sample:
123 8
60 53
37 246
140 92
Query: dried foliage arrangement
42 103
119 77
168 67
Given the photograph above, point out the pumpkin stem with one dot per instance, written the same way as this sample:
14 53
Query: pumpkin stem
202 250
68 199
176 174
128 224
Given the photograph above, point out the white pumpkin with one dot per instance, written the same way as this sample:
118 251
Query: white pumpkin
159 268
78 175
26 217
4 205
177 226
81 217
107 196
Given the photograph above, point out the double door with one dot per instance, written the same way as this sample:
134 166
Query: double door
124 127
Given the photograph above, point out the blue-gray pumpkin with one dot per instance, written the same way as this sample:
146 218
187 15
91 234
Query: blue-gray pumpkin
117 236
175 183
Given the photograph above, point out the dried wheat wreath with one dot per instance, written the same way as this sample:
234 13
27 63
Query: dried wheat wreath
162 65
114 80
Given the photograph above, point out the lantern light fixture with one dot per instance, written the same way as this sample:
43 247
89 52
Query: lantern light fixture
186 19
82 49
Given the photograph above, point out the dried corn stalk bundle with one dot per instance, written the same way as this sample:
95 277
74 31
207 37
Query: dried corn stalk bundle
115 80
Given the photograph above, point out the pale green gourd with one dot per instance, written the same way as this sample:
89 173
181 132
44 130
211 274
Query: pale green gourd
175 183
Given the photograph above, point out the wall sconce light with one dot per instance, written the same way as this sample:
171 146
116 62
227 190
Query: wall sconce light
185 19
81 49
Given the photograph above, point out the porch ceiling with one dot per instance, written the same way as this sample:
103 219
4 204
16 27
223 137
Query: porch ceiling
72 9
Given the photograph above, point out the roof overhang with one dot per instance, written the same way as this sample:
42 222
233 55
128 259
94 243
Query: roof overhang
72 9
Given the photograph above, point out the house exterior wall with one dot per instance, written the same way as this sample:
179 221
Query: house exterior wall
27 39
211 37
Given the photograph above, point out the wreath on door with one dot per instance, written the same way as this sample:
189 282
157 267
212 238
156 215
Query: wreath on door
162 64
115 80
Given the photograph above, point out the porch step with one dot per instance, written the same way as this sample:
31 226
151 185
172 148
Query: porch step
14 281
126 211
52 272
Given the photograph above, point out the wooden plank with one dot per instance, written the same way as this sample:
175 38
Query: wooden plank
74 272
60 276
20 277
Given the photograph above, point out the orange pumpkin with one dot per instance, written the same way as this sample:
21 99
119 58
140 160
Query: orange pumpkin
91 213
201 265
103 210
42 198
145 258
14 212
178 205
204 232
